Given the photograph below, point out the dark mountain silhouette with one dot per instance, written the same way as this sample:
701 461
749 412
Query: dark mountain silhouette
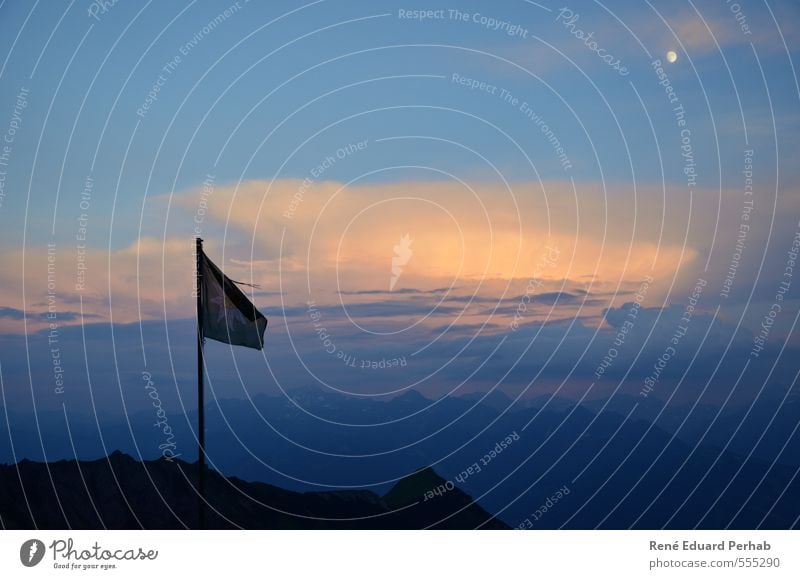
119 492
427 497
623 465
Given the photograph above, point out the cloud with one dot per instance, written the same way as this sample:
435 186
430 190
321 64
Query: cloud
64 315
405 290
702 34
727 24
148 279
342 237
552 298
482 247
11 313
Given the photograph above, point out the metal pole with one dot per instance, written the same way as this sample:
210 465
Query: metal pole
201 418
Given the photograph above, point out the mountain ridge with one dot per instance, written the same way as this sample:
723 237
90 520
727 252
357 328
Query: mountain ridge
119 492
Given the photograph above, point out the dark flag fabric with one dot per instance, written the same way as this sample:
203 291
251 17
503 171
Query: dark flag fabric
228 316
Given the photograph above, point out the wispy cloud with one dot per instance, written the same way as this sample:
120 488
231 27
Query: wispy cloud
478 250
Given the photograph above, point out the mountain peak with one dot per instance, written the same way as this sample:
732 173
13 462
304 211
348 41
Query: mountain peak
413 487
412 395
438 502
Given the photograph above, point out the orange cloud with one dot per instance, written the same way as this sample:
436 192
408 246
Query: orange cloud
150 277
328 242
342 238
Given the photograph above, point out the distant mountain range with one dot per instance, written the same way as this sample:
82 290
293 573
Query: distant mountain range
119 492
624 464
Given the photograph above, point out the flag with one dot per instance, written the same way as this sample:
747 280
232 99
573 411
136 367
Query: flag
228 316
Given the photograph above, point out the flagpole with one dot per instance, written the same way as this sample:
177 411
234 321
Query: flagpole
201 419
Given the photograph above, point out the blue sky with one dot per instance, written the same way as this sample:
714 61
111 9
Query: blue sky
463 130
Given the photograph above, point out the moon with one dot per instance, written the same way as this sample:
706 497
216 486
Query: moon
672 56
